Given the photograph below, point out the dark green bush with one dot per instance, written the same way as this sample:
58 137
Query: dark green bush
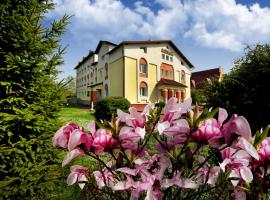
245 90
108 106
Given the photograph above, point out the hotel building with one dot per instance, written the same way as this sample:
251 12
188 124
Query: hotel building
141 71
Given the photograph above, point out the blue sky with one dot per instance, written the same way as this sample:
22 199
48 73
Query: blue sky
210 33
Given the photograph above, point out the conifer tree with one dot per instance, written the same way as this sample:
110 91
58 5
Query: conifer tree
29 97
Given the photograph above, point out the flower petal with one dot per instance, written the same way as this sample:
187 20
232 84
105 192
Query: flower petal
243 128
92 127
82 178
234 174
127 170
245 145
71 155
222 116
72 178
162 126
140 131
75 139
246 174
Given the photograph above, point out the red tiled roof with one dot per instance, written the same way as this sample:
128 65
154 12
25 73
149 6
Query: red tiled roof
163 81
201 77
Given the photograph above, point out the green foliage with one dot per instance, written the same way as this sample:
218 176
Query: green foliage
69 88
29 98
197 96
108 106
245 90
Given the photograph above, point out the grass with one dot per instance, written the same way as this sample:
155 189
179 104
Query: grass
76 114
81 116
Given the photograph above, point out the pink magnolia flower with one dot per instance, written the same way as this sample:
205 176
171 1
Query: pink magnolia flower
206 174
79 137
208 133
102 141
149 182
135 122
135 149
171 125
61 137
71 155
238 194
238 125
237 161
78 173
105 177
169 145
179 182
264 151
242 143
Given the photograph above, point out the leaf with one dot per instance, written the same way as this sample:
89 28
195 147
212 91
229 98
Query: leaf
6 183
259 137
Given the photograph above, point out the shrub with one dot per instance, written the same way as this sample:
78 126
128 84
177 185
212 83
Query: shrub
107 107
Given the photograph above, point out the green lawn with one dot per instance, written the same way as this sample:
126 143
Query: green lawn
76 114
80 116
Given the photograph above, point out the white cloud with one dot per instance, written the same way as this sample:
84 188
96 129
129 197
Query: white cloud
211 23
225 24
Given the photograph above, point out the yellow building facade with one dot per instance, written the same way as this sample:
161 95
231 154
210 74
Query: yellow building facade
141 71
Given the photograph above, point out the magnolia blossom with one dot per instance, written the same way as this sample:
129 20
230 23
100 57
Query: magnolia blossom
208 132
78 174
207 174
149 182
79 137
179 182
171 125
102 140
237 161
61 137
237 124
264 151
135 122
72 154
105 177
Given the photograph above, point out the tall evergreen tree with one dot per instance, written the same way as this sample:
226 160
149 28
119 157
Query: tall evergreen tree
29 97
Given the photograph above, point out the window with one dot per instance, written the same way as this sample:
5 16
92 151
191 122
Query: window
166 73
106 71
167 57
144 49
106 90
88 93
183 77
162 73
143 89
171 58
171 75
182 63
143 66
102 57
100 74
163 56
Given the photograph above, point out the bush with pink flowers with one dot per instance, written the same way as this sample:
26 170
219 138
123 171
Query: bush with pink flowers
170 152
